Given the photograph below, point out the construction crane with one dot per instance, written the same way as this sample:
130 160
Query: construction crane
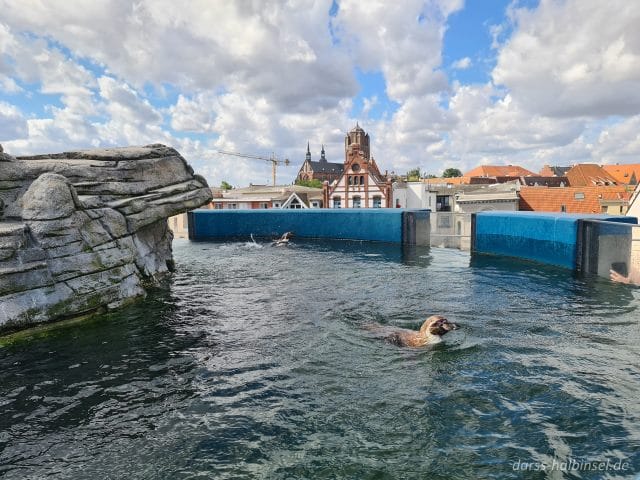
275 161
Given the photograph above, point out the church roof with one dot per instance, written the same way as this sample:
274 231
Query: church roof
326 167
357 128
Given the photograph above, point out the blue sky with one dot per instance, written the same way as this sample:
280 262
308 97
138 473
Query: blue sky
436 83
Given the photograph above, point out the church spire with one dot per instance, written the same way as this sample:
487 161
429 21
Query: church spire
322 157
308 155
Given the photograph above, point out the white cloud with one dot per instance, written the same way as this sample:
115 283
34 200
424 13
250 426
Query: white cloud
368 104
196 114
574 58
461 64
263 77
202 45
124 104
619 143
12 123
403 40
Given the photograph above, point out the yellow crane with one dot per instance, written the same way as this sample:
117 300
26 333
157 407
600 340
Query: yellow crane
275 161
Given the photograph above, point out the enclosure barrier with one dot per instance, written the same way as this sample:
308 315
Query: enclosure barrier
566 240
408 227
606 247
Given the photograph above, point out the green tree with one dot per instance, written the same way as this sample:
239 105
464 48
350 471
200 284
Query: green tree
314 183
413 175
225 186
451 172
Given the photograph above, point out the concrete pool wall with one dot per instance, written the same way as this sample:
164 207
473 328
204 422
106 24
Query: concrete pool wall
551 238
408 227
586 243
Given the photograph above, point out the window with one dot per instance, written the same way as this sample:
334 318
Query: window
355 167
361 179
578 196
337 202
233 206
444 221
356 202
264 205
295 204
377 201
355 180
217 206
315 205
442 203
563 208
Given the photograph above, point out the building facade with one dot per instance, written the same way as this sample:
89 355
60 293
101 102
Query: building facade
361 184
267 196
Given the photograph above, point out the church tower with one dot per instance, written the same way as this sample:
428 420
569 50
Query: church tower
357 136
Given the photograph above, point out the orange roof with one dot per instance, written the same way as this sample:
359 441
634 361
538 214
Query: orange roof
628 174
574 199
498 171
589 174
447 181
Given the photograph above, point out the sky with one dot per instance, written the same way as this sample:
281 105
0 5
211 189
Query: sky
437 84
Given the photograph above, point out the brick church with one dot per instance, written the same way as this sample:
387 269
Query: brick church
321 170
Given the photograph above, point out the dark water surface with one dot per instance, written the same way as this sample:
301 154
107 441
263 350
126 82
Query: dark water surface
255 363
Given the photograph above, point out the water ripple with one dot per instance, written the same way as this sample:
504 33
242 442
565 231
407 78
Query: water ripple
255 362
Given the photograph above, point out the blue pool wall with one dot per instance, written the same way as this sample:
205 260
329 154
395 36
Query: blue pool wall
551 238
382 225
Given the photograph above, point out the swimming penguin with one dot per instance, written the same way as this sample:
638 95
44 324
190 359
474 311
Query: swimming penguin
431 331
283 240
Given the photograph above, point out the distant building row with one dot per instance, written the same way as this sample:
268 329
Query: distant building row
358 183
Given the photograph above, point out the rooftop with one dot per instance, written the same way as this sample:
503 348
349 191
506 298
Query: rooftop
575 199
499 171
628 174
589 174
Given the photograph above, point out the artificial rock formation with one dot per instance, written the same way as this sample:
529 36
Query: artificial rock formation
84 231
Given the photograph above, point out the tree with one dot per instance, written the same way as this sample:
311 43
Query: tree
225 186
413 175
451 172
314 183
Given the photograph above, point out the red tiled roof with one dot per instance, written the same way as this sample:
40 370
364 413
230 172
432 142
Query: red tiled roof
498 171
624 173
575 199
589 174
554 171
445 181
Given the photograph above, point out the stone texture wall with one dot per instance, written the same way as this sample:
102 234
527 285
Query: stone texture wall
84 231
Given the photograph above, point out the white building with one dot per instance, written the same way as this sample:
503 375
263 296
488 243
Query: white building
634 203
498 196
418 195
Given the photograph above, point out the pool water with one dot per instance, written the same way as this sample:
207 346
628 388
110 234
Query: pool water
255 361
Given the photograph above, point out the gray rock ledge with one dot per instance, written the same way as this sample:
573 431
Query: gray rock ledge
86 231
